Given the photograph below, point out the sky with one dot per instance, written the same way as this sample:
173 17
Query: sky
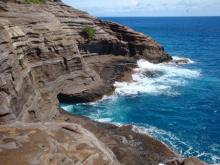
148 7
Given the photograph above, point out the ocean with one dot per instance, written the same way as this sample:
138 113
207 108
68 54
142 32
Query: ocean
179 104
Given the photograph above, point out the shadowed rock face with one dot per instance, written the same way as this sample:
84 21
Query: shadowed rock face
44 59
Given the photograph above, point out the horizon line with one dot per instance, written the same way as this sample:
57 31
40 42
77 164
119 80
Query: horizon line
153 16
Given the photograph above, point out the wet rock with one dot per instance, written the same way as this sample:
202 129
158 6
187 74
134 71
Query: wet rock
181 61
188 161
153 73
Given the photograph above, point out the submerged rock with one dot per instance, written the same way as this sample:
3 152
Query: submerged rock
153 73
181 60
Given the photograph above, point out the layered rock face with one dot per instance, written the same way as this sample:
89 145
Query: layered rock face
44 54
44 59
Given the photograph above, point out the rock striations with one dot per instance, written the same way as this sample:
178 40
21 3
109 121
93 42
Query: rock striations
45 55
44 59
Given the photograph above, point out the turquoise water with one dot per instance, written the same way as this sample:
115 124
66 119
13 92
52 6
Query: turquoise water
179 105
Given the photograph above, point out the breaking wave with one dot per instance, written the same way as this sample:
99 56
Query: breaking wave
156 79
187 60
151 79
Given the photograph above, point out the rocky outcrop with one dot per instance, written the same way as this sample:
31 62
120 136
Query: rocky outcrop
45 55
44 59
137 44
130 148
52 143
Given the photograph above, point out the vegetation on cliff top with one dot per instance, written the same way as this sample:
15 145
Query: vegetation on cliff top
34 1
89 32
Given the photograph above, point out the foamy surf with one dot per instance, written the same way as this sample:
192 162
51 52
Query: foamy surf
68 108
183 59
104 120
156 79
174 142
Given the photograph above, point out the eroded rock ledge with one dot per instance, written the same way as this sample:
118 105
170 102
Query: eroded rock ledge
43 54
44 57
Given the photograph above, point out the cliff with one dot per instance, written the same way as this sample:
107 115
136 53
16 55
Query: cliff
44 54
45 58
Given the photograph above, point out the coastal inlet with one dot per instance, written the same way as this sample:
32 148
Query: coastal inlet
175 103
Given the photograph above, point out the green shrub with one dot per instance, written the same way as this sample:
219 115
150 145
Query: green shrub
34 1
89 32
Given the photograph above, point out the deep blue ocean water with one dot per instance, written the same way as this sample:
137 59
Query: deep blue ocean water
181 104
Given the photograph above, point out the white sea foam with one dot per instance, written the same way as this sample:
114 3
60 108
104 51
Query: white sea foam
68 108
104 120
174 142
156 79
168 138
188 60
165 136
105 97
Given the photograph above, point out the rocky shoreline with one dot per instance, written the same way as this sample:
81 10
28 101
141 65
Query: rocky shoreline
44 60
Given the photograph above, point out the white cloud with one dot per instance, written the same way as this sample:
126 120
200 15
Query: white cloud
134 2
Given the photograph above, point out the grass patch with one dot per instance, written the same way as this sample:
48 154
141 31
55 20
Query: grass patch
89 32
34 1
